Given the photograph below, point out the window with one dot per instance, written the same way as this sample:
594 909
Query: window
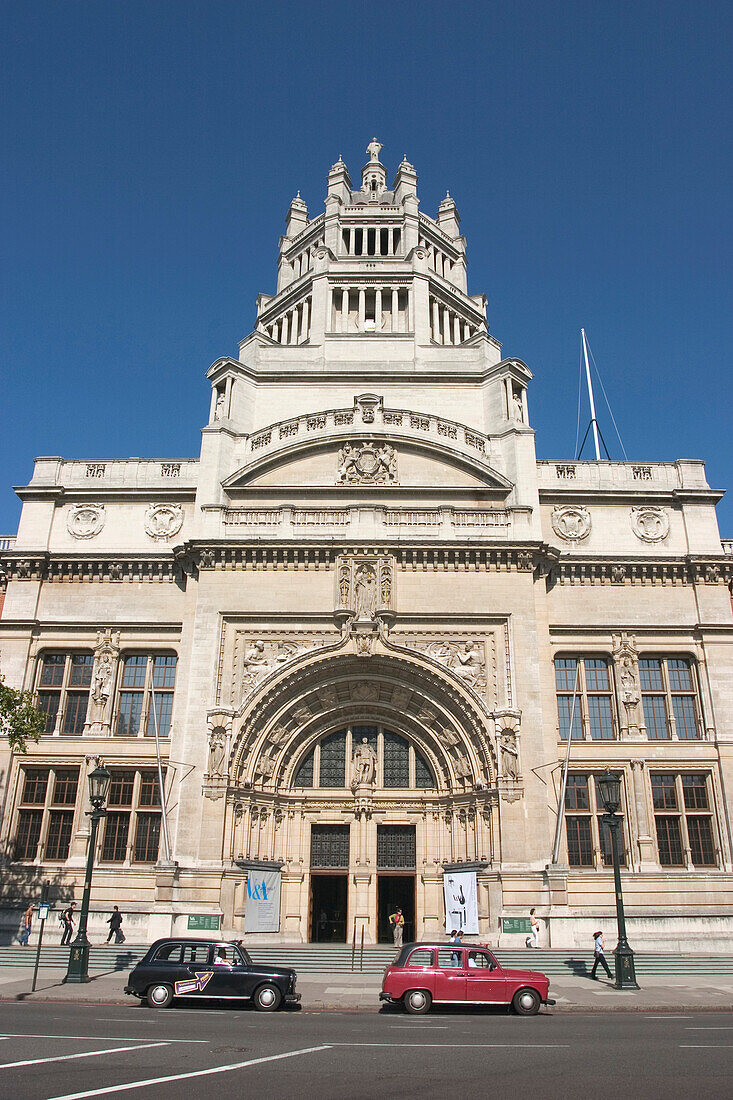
398 763
421 957
146 695
63 687
593 714
449 959
683 819
329 846
133 822
669 698
45 821
396 847
588 835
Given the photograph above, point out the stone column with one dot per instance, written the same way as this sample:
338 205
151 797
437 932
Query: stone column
378 309
306 317
436 322
644 838
362 311
284 330
344 311
395 310
446 326
456 329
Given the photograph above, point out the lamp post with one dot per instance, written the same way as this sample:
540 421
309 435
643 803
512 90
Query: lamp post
78 968
609 787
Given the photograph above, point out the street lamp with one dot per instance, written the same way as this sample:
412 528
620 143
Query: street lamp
609 789
78 968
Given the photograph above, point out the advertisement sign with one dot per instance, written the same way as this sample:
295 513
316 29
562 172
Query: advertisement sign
461 902
262 908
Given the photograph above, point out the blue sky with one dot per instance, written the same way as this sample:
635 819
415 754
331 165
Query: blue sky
149 152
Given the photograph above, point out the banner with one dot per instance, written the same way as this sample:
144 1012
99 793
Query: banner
262 909
461 902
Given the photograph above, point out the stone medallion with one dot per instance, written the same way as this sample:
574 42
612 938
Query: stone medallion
650 524
366 463
570 523
162 521
84 521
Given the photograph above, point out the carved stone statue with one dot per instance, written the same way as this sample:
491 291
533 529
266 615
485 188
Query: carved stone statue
99 712
364 764
219 408
374 148
217 752
365 591
509 754
344 584
626 656
517 403
102 684
347 468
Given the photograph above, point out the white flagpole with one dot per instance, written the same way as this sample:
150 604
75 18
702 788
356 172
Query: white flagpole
593 420
161 785
564 783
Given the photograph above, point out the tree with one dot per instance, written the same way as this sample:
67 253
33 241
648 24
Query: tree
20 719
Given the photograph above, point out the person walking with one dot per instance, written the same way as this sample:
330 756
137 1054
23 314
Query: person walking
599 956
67 919
398 926
26 925
534 925
115 926
456 938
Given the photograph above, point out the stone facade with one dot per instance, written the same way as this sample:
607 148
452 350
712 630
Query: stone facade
362 624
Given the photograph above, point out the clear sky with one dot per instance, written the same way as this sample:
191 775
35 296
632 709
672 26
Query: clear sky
150 150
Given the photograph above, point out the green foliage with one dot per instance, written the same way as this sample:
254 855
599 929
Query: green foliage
20 719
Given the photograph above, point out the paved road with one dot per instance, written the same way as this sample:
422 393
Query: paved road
65 1051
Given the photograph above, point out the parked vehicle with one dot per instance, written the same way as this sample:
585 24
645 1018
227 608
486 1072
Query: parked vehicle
195 969
435 973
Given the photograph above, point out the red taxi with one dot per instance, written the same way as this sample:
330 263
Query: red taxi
427 973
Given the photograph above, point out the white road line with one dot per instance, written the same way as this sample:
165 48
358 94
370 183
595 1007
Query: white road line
95 1038
416 1027
187 1076
709 1029
69 1057
667 1017
705 1046
451 1046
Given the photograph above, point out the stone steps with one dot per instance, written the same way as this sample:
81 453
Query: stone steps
337 958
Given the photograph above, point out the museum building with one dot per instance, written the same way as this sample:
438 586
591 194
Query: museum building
360 629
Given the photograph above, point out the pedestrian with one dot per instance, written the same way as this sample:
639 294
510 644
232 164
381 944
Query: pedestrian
115 926
67 919
535 927
599 956
456 937
398 926
25 926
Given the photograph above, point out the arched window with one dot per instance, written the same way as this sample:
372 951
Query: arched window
399 764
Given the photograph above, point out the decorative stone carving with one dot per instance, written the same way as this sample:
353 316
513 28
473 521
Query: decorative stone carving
524 561
509 754
626 658
367 403
265 766
448 737
365 585
712 574
366 464
364 765
618 574
571 523
263 656
462 767
400 698
216 767
99 711
84 521
364 691
650 524
207 559
468 663
162 521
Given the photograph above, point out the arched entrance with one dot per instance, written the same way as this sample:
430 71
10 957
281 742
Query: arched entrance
363 777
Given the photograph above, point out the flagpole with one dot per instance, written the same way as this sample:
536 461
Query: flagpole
593 420
564 783
161 785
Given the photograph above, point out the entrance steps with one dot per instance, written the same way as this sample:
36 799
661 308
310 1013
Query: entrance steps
337 959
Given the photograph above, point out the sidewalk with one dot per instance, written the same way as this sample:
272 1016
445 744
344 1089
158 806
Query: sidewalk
357 992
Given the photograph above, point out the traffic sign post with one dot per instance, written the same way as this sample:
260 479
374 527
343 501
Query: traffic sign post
43 910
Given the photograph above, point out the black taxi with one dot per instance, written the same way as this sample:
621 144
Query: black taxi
195 969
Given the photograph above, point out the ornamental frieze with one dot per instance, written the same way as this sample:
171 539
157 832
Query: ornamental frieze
650 524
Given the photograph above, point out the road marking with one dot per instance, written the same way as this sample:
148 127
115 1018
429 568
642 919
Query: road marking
709 1029
69 1057
187 1076
668 1017
413 1027
96 1038
451 1046
705 1046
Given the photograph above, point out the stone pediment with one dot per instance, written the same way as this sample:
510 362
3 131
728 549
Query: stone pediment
369 445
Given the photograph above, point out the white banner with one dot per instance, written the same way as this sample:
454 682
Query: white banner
461 902
262 910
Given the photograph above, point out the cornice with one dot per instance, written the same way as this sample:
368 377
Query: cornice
623 496
48 566
709 569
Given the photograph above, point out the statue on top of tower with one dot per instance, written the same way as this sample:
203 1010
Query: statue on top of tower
374 149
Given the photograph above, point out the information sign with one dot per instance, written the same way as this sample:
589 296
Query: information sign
203 922
516 924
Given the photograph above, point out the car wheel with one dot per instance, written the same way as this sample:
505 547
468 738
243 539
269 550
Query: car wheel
417 1002
159 996
267 998
526 1002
